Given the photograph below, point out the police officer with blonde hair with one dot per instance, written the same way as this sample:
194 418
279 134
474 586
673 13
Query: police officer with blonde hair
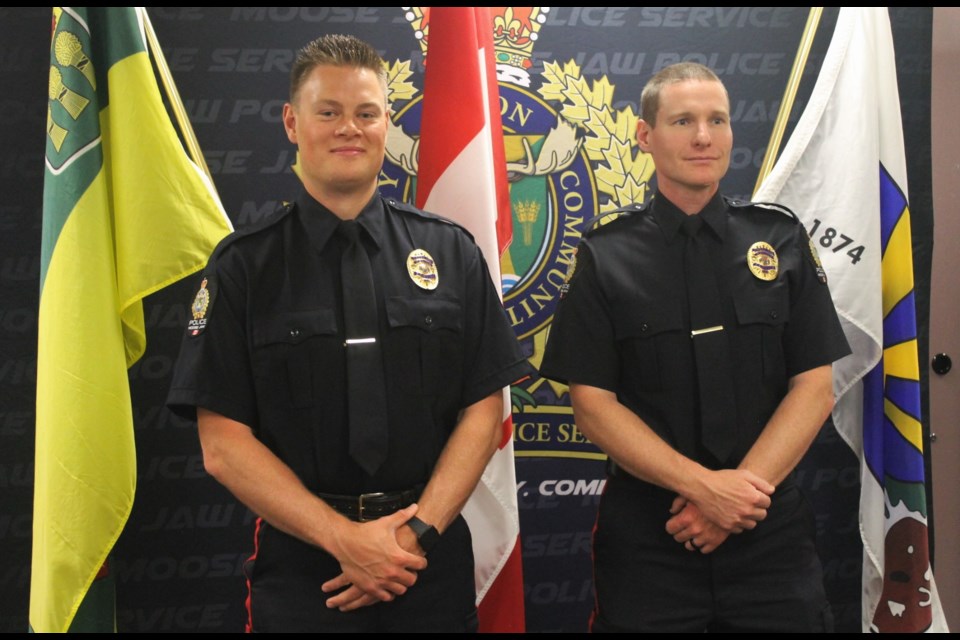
345 363
697 335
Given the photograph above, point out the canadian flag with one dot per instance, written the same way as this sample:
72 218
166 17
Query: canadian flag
462 175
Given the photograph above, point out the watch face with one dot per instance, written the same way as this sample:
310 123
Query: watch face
427 534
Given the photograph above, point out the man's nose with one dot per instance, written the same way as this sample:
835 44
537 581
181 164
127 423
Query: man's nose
702 135
348 127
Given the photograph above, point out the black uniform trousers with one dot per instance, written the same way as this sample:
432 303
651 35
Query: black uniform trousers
286 594
765 579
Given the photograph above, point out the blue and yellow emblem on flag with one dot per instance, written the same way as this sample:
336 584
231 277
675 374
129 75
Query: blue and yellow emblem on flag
892 433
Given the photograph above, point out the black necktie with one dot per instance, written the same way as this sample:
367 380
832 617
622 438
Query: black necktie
366 390
710 344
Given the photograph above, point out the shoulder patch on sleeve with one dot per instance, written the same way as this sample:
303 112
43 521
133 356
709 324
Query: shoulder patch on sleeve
202 306
810 251
571 270
579 258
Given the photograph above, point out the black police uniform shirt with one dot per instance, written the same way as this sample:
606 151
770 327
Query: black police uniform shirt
266 345
623 322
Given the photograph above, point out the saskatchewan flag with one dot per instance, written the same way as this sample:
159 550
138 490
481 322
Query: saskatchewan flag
125 213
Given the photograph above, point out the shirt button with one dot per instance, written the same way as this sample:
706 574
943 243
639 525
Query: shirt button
774 315
294 333
428 320
644 327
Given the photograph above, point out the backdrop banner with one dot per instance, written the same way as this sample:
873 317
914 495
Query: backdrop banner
569 82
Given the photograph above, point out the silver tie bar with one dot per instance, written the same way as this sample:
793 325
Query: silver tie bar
694 334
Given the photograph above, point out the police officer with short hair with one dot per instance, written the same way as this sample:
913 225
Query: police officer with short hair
697 336
345 363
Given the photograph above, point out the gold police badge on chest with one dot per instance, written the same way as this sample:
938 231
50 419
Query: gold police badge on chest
762 260
423 269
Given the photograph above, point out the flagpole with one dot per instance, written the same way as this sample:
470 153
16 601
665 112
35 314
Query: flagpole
789 95
193 147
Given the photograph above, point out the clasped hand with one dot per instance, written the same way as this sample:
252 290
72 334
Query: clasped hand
730 502
379 561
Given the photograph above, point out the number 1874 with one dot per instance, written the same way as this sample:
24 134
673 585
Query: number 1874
832 239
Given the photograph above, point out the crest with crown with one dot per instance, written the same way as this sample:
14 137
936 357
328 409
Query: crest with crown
515 32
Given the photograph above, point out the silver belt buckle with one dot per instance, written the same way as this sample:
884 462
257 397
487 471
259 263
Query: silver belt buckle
366 496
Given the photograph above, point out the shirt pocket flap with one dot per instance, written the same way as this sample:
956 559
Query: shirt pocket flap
767 307
648 319
428 314
293 327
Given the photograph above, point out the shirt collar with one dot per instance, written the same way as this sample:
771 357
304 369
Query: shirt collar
669 217
320 223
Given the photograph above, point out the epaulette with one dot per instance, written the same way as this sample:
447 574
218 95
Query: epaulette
772 206
404 207
631 209
278 214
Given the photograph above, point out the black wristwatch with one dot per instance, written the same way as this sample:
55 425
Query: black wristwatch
427 534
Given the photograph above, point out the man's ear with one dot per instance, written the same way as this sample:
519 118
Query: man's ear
290 122
643 135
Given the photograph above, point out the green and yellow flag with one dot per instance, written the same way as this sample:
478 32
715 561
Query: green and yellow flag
125 213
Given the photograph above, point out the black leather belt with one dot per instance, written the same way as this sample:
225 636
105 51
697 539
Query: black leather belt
370 506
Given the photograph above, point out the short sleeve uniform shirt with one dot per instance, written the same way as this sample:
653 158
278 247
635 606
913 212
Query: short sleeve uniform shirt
623 323
268 349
